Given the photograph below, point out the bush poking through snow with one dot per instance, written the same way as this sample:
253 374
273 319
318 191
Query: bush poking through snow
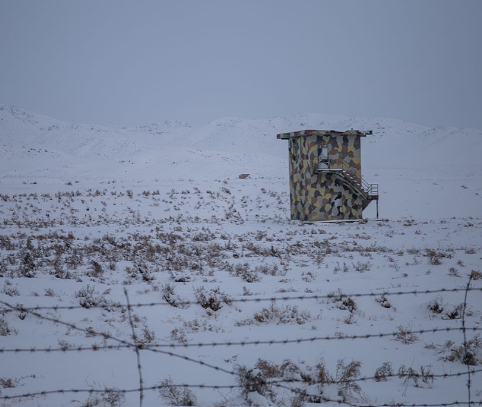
172 298
435 305
475 275
139 271
471 354
146 338
342 301
5 328
405 336
7 383
246 273
383 301
90 298
383 371
9 290
108 398
346 374
95 270
252 381
410 374
214 299
288 314
314 381
269 369
196 325
28 267
176 396
456 313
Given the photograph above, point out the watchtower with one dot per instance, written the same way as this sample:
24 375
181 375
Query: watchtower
325 175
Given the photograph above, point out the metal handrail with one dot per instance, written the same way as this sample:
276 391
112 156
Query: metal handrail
373 191
370 189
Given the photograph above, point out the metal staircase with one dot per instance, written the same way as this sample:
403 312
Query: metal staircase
368 191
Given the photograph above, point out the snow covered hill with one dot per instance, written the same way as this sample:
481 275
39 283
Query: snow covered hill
421 171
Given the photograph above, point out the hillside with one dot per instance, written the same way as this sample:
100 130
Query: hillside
421 171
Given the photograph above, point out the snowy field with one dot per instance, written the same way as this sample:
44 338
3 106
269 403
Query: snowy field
227 295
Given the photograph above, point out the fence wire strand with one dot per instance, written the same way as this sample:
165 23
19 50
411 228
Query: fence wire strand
229 343
157 348
247 300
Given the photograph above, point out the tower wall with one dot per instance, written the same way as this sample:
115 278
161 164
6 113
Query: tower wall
323 196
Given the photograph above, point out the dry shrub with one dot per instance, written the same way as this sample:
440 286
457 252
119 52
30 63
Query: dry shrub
176 396
362 267
470 354
434 256
95 270
178 335
345 377
90 298
475 275
147 337
272 270
110 397
410 374
7 383
456 313
405 336
435 305
27 267
195 325
288 314
139 271
322 374
270 370
214 299
346 374
9 290
383 371
64 345
253 381
383 301
5 328
246 273
171 297
291 372
343 301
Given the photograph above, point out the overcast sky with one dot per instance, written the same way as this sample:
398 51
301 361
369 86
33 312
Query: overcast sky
137 62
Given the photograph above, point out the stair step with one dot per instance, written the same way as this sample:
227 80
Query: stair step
354 181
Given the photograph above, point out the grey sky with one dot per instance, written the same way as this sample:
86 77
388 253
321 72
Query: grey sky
135 62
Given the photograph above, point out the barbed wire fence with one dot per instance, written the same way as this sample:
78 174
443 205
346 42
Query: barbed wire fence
138 346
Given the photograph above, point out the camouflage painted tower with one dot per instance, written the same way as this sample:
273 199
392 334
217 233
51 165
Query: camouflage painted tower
325 175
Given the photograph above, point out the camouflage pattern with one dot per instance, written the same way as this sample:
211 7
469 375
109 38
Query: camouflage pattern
320 195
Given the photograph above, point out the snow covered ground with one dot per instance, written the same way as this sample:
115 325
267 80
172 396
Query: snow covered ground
88 211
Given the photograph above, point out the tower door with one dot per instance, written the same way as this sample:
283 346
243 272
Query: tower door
323 157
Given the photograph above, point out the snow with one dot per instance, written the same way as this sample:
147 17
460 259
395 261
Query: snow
163 204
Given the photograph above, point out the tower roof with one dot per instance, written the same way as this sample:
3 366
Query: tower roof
303 133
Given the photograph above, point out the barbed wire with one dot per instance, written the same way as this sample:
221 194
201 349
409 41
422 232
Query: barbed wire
220 387
122 341
136 346
143 346
127 344
245 300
